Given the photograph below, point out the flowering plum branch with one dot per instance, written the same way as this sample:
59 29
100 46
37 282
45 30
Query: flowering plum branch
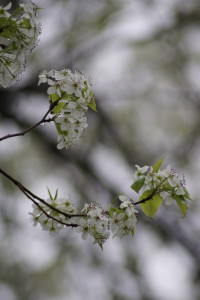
70 95
55 214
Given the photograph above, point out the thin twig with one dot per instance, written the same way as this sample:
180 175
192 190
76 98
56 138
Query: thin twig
32 196
43 120
155 192
48 215
145 199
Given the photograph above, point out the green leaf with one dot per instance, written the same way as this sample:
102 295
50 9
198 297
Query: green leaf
151 206
92 103
181 204
146 194
158 164
114 200
132 232
138 184
58 107
3 21
187 195
51 197
54 97
56 195
6 33
27 23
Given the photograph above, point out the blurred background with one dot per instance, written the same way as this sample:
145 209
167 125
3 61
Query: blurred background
144 60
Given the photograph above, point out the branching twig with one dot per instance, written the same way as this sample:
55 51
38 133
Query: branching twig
43 120
145 199
32 197
155 191
48 215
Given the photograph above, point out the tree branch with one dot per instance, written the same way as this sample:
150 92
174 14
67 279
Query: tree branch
43 120
49 216
145 199
32 197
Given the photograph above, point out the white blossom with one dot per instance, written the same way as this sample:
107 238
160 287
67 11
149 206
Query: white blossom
128 205
95 223
116 222
164 182
23 33
140 172
73 92
53 220
84 228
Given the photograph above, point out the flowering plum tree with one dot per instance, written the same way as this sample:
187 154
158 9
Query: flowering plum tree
70 95
18 36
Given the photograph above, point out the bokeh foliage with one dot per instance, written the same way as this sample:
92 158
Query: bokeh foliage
144 59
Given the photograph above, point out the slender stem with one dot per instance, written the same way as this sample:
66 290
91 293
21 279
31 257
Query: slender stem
145 199
43 120
32 197
156 191
48 215
26 191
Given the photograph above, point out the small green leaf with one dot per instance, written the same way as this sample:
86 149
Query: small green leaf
56 195
187 195
3 21
54 97
57 109
92 103
51 197
114 200
158 164
27 23
146 194
181 204
6 33
151 206
138 184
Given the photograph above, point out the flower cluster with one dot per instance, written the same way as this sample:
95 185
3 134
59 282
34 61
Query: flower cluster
155 184
55 214
18 35
166 180
123 219
95 223
158 185
73 95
